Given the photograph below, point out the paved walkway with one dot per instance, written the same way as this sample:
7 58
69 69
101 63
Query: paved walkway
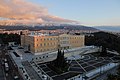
31 72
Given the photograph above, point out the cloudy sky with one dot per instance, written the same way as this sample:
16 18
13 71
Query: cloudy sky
87 12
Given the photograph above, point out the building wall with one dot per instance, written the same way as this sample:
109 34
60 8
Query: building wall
46 43
28 43
64 40
76 41
71 41
22 40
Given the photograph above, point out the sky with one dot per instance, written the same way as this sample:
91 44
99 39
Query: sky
87 12
26 12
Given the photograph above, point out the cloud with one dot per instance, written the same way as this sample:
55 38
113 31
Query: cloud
21 10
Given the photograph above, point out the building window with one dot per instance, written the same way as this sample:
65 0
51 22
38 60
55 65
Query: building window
41 44
37 44
43 56
41 39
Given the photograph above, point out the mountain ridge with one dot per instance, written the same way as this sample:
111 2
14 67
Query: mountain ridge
66 27
108 28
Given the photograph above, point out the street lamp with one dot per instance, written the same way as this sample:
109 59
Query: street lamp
21 57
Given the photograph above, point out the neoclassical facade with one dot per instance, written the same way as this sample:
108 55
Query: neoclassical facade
37 42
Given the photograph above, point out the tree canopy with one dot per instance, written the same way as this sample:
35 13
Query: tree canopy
104 39
10 38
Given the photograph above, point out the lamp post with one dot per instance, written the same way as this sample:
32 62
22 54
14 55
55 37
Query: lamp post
21 57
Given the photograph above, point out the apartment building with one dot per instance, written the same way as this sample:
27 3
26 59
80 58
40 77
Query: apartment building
38 42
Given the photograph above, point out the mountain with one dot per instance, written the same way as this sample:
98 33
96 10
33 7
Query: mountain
108 28
50 27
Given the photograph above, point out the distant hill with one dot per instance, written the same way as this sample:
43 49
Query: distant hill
108 28
67 27
105 39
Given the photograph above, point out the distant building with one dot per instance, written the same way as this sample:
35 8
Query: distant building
38 42
25 32
11 43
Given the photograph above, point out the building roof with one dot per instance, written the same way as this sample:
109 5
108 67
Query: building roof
48 34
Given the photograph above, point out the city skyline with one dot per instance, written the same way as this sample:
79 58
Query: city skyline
89 13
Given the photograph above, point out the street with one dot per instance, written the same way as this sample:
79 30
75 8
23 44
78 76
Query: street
13 70
2 75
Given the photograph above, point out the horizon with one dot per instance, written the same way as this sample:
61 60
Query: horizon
88 13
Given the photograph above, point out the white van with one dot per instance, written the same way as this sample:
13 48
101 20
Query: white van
6 67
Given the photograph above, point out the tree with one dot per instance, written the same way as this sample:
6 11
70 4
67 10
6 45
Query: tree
112 77
118 72
59 65
104 39
10 38
60 60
